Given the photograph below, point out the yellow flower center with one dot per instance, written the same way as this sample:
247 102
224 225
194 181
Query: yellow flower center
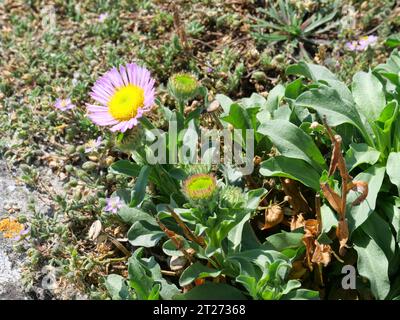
125 102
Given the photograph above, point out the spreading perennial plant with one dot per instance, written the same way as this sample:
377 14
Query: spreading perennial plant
205 216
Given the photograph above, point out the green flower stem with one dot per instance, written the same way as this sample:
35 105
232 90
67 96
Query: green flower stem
181 107
146 123
167 184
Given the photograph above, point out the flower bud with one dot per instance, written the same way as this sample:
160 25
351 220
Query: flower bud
89 166
231 197
183 86
199 186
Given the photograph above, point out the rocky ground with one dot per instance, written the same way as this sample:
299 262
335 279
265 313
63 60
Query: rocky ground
15 196
10 286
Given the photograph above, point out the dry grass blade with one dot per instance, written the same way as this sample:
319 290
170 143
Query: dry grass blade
179 27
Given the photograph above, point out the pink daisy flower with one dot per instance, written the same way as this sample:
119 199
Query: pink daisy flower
113 205
124 95
21 234
362 44
352 45
93 145
64 104
103 17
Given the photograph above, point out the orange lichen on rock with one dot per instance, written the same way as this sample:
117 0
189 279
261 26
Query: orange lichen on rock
11 228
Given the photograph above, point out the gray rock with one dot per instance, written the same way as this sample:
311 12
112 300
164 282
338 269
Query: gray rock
10 277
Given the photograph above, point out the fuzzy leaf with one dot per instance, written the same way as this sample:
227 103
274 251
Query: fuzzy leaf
117 287
360 153
372 264
328 103
291 168
356 215
368 95
197 271
126 167
393 169
145 234
292 142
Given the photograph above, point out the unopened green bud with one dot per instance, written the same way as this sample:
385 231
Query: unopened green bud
89 166
259 76
183 86
231 197
70 149
200 186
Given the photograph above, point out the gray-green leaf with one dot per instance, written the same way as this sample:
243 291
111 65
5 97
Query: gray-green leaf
358 214
361 153
328 103
144 234
372 264
368 95
291 168
197 271
293 142
393 169
117 287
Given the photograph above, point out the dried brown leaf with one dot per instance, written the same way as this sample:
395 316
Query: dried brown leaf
273 216
310 233
297 222
298 270
322 254
362 187
295 197
342 233
311 228
333 198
